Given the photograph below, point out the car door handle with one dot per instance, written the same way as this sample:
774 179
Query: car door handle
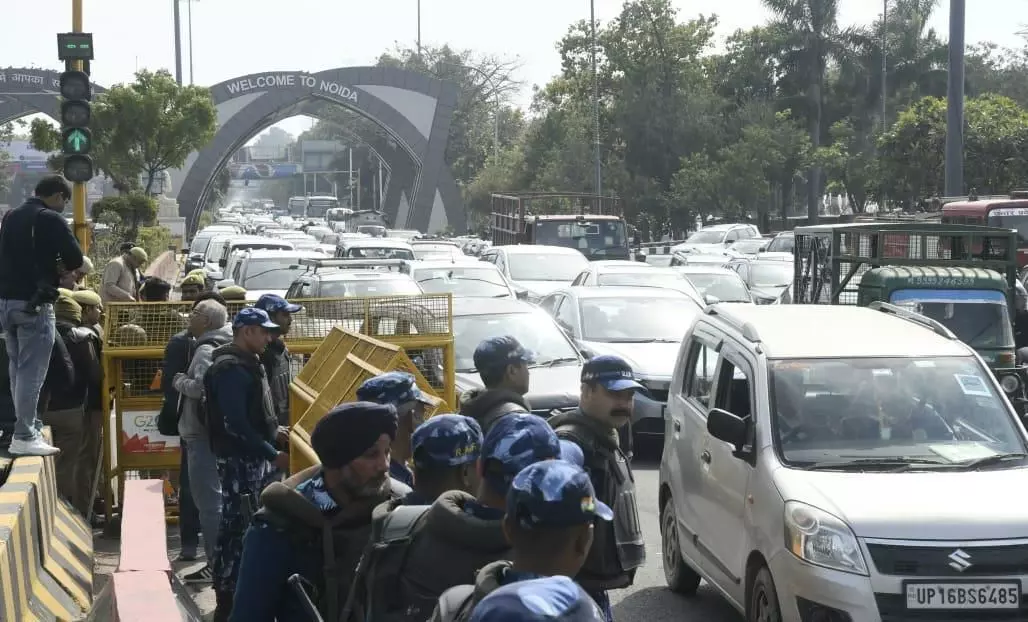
677 424
705 456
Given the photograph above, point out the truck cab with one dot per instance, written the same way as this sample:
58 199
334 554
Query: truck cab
590 224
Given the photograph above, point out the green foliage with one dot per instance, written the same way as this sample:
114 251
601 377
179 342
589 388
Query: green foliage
6 135
127 212
140 129
154 240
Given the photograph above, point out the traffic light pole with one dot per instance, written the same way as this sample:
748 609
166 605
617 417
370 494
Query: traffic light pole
78 190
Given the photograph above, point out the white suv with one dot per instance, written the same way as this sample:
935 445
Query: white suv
842 464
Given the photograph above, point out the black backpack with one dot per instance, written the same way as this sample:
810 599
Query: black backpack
379 582
217 341
455 604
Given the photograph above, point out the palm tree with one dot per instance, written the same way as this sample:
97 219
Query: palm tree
811 40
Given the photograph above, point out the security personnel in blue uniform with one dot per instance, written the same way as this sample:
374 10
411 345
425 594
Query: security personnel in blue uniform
502 363
275 357
605 405
551 508
445 451
551 599
399 389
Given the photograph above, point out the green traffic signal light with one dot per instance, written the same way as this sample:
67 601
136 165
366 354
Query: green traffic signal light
77 141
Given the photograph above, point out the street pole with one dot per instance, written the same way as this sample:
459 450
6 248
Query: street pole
419 29
78 190
496 129
178 41
885 64
189 13
596 100
955 101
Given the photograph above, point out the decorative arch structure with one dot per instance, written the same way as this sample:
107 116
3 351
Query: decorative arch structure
414 109
31 91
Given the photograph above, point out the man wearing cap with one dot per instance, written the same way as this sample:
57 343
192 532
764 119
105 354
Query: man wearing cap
120 282
233 292
605 405
191 286
326 507
275 357
550 599
36 246
72 279
502 363
551 508
467 531
89 454
242 425
399 389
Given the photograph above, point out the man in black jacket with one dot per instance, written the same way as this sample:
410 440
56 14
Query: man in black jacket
275 357
502 363
36 247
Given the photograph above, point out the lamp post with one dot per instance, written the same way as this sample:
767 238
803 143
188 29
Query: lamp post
178 41
189 18
419 29
596 99
955 101
885 64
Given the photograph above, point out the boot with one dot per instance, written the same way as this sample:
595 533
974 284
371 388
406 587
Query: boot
223 610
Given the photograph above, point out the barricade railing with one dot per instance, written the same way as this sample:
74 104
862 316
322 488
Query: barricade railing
332 376
135 335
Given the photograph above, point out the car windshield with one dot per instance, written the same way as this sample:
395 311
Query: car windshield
460 281
642 278
707 236
199 245
939 409
723 286
749 246
365 252
546 266
770 274
368 287
214 249
782 244
276 273
534 330
637 320
437 254
979 318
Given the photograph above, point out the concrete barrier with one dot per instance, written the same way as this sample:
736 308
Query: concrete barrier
46 550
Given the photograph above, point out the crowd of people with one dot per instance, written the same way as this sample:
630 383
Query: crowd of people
492 513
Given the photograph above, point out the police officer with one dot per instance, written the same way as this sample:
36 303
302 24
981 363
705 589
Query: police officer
551 599
401 391
502 363
551 508
445 453
605 405
275 357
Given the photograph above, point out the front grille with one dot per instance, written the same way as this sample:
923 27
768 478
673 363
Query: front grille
934 561
893 608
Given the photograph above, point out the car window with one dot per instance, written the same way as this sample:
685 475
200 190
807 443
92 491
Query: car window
567 315
471 280
581 278
700 371
733 389
547 266
535 330
637 319
501 262
743 270
549 304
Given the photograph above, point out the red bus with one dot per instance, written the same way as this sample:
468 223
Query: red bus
1007 212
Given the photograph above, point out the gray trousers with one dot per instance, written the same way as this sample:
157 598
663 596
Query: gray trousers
205 485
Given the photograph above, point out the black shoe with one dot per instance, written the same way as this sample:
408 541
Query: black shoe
203 575
186 557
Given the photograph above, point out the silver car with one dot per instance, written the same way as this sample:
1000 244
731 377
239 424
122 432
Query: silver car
872 474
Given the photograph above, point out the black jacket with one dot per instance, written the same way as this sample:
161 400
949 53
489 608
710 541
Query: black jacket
487 405
33 224
275 360
78 351
177 354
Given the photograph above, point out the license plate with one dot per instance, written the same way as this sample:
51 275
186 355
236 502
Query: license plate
992 595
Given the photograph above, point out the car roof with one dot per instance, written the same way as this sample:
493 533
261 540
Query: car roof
526 249
264 253
254 239
355 275
490 306
375 243
436 264
723 226
702 268
829 331
605 291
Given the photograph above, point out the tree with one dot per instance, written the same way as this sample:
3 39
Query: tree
141 130
126 211
6 136
849 164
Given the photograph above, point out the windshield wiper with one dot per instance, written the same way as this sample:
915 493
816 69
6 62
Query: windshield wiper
895 464
989 460
554 362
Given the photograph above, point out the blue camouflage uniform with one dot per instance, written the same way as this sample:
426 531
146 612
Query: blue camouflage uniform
444 442
549 599
396 388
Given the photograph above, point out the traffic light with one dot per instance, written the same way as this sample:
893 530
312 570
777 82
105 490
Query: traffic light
76 139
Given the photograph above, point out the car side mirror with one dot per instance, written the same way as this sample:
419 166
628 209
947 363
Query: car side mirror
761 250
222 263
727 427
711 300
522 294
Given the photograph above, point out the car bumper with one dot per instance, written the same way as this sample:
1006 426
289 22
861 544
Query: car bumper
648 416
807 592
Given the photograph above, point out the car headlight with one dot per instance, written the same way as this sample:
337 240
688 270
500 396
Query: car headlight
819 538
1010 383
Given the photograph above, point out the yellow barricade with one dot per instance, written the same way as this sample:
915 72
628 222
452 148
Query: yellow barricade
46 550
332 376
135 335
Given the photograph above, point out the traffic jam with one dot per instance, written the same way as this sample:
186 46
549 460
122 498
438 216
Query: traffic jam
833 412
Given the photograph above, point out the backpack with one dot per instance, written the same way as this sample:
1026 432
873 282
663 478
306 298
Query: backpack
380 586
201 405
455 604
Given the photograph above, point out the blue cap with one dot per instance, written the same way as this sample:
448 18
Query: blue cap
250 316
550 599
613 372
554 493
571 452
517 440
498 352
395 387
446 441
273 303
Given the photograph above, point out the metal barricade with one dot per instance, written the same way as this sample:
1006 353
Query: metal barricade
135 335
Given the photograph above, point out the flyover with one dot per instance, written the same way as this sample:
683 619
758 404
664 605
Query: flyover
413 110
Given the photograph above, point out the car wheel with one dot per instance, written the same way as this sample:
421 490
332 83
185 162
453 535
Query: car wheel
763 599
678 575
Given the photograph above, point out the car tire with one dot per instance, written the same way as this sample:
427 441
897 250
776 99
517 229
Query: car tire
680 578
763 599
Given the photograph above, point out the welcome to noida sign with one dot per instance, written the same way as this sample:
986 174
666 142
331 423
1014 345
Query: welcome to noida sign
292 81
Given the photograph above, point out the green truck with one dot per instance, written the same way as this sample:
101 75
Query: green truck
960 277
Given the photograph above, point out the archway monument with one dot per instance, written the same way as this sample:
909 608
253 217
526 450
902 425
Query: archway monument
414 109
25 92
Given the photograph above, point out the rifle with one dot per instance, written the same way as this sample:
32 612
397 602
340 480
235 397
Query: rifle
299 585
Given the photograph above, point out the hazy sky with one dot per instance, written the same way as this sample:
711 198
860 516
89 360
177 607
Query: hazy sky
237 37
